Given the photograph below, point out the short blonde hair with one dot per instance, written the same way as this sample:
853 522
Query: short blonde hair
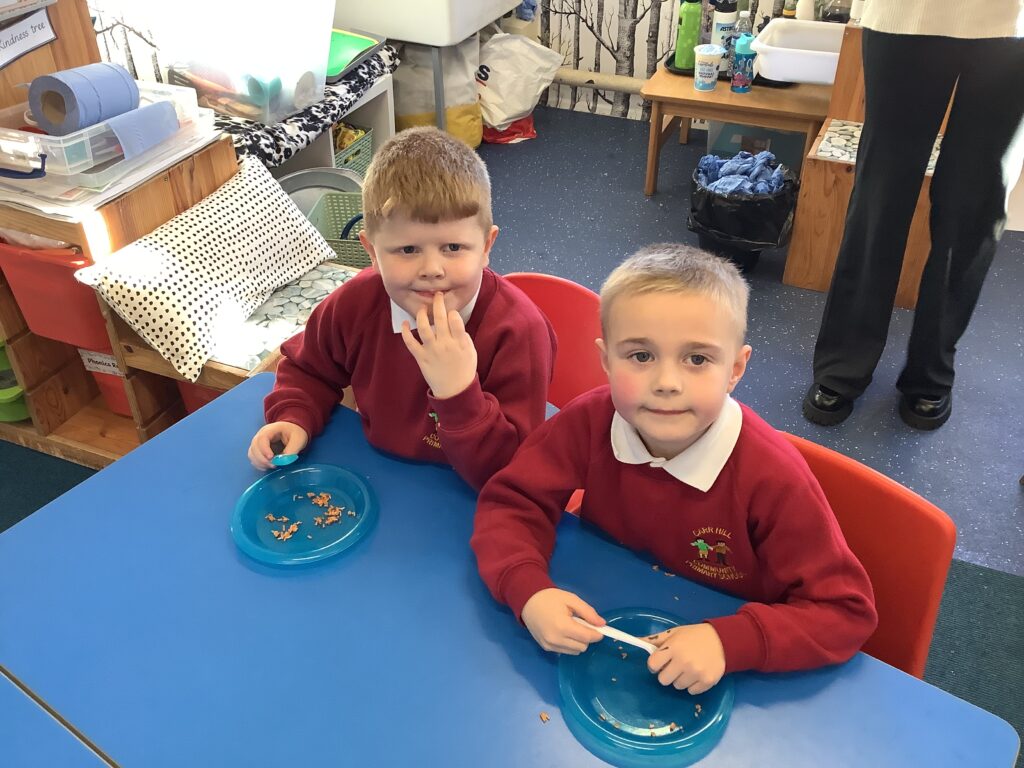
677 268
428 175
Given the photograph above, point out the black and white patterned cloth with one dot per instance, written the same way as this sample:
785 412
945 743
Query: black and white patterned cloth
274 144
201 274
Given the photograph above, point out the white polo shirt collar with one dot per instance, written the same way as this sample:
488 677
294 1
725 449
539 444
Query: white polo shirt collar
697 466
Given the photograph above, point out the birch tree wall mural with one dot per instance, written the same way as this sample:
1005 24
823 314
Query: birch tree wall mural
602 36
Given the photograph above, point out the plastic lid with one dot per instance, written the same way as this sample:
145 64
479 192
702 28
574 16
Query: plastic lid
345 48
726 6
743 44
744 14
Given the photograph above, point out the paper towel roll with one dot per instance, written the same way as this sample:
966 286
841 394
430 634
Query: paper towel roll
73 99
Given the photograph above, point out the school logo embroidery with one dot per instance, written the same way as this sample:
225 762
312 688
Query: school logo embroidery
712 561
432 439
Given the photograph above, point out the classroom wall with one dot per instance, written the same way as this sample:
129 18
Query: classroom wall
622 37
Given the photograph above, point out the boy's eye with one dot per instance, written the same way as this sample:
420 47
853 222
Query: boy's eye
641 356
698 359
408 249
454 247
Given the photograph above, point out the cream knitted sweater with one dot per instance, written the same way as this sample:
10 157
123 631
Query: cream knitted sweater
948 18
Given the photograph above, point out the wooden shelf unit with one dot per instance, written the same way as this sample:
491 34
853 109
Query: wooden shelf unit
67 417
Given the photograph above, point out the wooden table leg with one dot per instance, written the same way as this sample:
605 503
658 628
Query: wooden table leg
668 129
684 130
653 149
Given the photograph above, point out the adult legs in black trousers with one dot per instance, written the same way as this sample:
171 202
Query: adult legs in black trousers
908 82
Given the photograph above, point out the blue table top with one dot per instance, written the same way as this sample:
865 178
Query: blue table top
31 738
140 621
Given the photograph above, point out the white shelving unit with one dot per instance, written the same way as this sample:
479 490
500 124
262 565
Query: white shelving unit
375 110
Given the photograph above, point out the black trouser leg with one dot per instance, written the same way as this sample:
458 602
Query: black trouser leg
980 160
908 82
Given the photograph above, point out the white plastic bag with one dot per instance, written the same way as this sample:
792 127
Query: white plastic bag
514 71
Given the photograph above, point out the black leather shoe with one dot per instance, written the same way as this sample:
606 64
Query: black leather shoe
925 412
825 407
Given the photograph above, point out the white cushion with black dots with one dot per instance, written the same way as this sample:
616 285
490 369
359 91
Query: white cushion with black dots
209 267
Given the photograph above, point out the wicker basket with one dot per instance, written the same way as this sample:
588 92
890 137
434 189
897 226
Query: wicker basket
331 215
357 155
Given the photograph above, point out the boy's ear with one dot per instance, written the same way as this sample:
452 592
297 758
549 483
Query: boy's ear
489 239
739 367
604 353
370 251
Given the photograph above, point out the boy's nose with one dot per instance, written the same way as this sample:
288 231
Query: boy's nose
431 265
667 381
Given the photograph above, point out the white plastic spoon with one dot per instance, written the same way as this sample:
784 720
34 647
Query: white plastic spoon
618 634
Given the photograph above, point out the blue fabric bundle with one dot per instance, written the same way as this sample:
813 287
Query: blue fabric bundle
526 10
740 176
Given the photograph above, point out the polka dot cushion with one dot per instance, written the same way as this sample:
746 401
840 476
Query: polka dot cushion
208 268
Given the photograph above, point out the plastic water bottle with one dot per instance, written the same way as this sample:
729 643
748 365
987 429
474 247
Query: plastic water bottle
688 34
744 24
743 27
743 64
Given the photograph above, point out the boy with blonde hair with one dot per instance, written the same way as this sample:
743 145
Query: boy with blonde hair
448 362
672 466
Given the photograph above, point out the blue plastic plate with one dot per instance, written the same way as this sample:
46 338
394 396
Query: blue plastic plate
284 493
620 712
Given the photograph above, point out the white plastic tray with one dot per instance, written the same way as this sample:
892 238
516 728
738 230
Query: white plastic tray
795 51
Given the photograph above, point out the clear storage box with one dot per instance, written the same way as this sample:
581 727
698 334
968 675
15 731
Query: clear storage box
241 61
67 187
82 150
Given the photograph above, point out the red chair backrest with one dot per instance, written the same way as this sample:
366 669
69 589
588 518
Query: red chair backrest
575 314
904 542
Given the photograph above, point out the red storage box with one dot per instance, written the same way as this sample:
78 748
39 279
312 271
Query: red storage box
54 304
114 395
196 396
103 368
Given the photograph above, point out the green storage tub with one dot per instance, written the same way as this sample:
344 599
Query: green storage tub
12 397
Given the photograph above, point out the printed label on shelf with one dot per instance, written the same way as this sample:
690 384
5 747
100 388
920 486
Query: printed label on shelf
24 36
98 362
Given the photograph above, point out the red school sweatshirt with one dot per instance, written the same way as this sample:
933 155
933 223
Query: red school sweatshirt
349 339
763 532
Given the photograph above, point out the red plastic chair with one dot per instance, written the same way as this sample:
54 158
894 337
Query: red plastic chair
575 314
905 544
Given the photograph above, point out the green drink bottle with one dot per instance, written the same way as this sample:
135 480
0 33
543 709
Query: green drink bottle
689 31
